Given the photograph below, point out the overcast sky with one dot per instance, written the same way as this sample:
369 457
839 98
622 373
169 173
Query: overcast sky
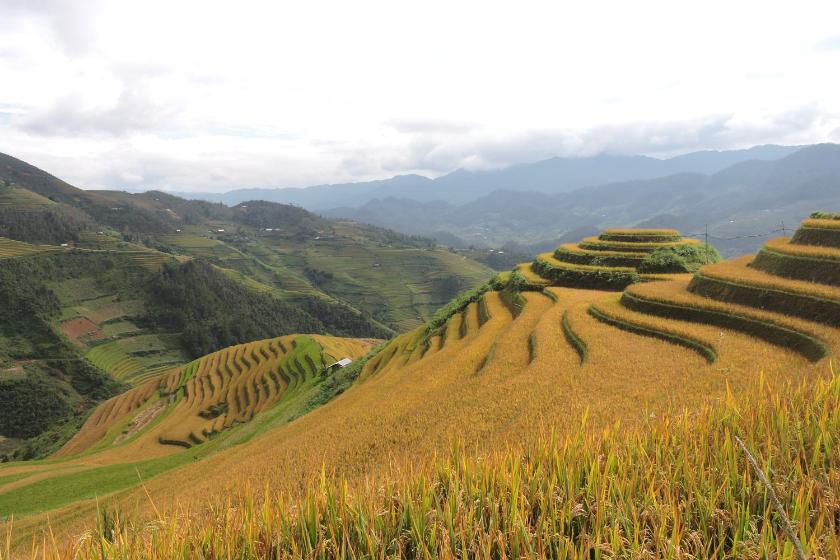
205 95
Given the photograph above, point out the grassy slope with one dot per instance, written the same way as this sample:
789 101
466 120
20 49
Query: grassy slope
399 285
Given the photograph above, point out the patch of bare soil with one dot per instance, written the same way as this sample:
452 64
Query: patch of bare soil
79 327
141 420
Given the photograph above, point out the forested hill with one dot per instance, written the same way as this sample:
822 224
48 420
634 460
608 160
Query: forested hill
103 290
397 279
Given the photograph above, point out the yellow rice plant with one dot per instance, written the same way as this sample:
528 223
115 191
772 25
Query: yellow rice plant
821 223
677 486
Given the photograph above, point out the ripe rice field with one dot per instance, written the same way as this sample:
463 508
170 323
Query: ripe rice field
22 200
619 493
735 281
738 271
672 299
636 232
609 261
526 271
571 253
10 248
568 377
821 232
408 406
550 259
783 245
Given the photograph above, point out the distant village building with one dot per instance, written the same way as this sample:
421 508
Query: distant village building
340 364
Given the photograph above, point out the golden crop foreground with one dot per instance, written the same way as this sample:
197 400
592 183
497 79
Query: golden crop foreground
679 487
496 371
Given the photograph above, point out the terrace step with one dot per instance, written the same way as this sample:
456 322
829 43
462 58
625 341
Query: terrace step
825 233
571 253
673 300
597 244
562 273
736 282
612 313
811 263
640 235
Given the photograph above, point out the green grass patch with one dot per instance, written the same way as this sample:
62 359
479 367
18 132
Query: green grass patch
52 493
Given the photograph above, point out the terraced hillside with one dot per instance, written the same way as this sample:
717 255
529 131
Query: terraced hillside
619 257
210 404
786 296
493 369
396 280
10 248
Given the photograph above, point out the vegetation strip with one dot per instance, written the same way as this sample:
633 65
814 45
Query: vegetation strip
487 359
483 311
573 339
808 346
704 350
565 274
532 347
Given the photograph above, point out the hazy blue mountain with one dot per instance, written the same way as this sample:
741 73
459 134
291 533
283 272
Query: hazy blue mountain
748 198
551 176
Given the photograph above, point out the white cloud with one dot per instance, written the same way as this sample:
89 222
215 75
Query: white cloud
215 95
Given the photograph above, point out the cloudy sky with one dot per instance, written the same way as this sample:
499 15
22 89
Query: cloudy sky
211 96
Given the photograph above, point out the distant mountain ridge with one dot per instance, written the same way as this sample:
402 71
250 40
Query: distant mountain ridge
748 198
551 176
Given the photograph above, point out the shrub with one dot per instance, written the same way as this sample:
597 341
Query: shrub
457 305
679 258
825 216
586 277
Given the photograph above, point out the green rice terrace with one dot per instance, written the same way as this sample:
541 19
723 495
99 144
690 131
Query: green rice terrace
400 284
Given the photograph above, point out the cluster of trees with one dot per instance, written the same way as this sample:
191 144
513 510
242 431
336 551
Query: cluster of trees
30 405
293 220
213 311
679 258
51 225
54 386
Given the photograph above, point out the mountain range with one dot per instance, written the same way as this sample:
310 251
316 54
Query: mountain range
551 176
741 205
739 197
